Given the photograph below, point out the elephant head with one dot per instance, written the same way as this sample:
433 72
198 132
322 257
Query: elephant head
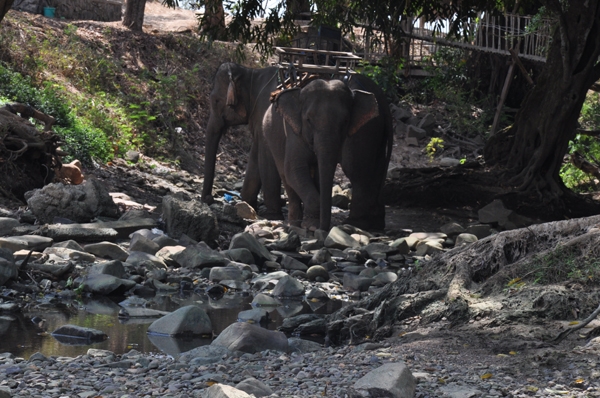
241 96
317 120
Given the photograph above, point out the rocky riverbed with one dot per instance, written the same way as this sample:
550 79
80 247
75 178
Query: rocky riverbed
140 245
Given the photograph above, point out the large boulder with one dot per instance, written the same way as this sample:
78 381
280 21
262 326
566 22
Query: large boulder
254 387
114 268
147 260
70 254
7 224
389 380
25 242
199 256
218 274
79 203
244 240
107 250
8 268
497 213
224 391
188 320
338 239
144 244
74 332
183 215
107 285
242 336
288 286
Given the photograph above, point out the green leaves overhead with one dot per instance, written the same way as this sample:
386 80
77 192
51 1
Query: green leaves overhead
388 17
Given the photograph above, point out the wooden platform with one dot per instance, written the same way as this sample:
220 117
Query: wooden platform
333 63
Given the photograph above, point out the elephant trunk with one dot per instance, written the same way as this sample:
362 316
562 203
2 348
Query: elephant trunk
214 132
326 174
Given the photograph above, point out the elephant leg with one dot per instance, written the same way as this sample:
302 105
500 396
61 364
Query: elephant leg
271 183
252 181
362 168
295 211
301 181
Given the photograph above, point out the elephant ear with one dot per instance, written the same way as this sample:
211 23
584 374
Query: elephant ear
232 96
365 108
288 106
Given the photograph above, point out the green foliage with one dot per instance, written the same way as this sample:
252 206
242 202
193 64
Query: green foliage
585 145
81 140
468 111
449 68
386 74
18 88
386 16
590 112
278 25
85 142
434 146
108 95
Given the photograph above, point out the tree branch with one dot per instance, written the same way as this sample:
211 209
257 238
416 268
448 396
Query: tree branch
564 48
579 161
583 324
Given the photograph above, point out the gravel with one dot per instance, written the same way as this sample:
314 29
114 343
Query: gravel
446 363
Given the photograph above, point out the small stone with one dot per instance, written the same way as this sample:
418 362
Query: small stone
465 239
245 211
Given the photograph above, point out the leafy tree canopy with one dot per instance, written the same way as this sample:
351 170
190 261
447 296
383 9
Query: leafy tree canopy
386 16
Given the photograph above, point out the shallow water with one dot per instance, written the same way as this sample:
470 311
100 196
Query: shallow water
22 337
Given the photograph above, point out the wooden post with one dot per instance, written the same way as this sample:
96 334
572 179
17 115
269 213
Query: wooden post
517 61
507 82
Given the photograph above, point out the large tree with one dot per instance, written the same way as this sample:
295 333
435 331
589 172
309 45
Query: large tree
532 150
134 14
213 19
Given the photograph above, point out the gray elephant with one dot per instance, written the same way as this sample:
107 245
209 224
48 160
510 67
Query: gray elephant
317 121
241 96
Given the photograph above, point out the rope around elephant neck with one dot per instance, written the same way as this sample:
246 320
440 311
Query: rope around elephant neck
261 90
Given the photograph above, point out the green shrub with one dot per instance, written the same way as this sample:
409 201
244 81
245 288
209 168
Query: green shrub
467 111
85 143
386 74
81 140
585 145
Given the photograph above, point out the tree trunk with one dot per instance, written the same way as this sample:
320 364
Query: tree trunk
532 149
297 8
213 21
134 15
5 5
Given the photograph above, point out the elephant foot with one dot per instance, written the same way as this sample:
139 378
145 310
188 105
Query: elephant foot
374 223
295 223
312 224
208 199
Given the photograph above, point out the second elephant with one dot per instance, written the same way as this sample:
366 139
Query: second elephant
317 120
